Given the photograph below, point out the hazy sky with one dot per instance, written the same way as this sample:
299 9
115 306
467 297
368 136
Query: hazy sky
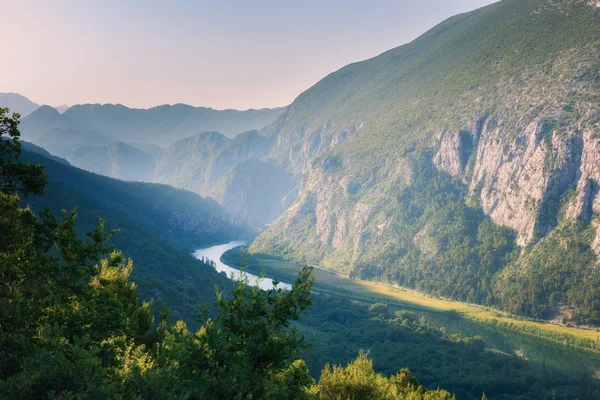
223 54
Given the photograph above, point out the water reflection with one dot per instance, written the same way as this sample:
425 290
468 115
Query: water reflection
214 254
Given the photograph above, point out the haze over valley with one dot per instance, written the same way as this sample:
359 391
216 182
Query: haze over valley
420 224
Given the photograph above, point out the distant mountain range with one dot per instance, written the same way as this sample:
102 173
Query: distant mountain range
464 164
125 143
22 105
236 173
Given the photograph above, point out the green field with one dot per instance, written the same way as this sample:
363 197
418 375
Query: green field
371 292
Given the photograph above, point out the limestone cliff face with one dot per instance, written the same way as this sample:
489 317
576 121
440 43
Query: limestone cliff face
528 150
457 164
298 148
519 172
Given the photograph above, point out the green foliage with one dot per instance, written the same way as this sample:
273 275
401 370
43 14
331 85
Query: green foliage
16 177
557 272
460 250
435 242
247 351
71 325
340 322
158 227
358 381
393 217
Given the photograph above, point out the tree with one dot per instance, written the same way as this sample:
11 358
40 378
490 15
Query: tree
248 351
16 177
358 380
65 316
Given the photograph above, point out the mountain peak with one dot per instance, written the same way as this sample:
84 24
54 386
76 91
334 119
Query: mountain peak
18 103
44 112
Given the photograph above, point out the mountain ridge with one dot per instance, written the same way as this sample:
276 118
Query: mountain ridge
495 105
158 226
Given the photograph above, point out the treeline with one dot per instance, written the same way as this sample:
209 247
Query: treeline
558 272
442 244
338 325
72 327
158 227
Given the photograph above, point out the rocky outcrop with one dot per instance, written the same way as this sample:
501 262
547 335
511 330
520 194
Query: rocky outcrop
518 133
456 148
299 148
596 242
521 171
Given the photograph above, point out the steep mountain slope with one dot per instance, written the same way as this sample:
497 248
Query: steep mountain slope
255 191
120 142
408 157
158 226
164 125
230 172
17 103
186 163
85 148
32 148
60 141
116 160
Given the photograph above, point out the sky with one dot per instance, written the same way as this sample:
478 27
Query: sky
222 54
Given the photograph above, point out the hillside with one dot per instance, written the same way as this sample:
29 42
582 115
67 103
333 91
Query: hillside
231 172
158 227
17 103
453 164
116 160
120 142
60 142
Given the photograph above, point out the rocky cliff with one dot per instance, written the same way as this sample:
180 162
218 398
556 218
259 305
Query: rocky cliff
502 101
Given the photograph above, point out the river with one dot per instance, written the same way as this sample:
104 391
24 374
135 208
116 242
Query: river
214 254
537 350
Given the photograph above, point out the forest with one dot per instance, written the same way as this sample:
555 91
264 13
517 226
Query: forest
340 321
72 325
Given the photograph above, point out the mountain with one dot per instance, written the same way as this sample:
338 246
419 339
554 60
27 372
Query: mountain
164 125
46 119
32 148
463 164
116 160
230 172
186 163
120 142
62 109
17 103
97 153
60 141
255 191
197 163
158 227
148 148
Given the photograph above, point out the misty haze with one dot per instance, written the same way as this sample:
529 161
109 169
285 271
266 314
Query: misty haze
336 200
